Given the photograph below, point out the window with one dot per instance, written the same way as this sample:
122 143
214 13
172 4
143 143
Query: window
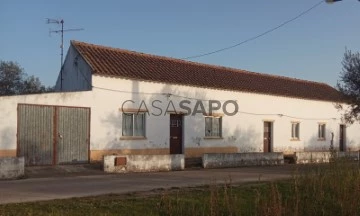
295 130
133 124
321 131
213 126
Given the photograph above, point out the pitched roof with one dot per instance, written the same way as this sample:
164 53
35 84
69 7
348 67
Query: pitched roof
116 62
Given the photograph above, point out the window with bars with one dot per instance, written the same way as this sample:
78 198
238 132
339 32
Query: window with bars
213 126
133 124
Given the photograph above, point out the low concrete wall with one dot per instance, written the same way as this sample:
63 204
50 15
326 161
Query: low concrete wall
312 157
352 155
218 160
322 157
143 163
12 167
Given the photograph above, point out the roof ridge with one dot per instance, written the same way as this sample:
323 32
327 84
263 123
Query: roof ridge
197 63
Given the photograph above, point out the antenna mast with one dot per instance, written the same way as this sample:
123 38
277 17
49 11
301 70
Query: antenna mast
61 31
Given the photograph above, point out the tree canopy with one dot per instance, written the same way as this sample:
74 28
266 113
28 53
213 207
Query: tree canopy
349 85
14 81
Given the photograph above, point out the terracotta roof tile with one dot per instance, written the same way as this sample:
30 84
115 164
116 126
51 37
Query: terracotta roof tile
109 61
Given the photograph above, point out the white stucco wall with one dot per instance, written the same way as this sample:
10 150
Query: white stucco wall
244 131
8 111
76 74
144 163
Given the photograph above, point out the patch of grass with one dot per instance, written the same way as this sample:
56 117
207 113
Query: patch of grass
321 190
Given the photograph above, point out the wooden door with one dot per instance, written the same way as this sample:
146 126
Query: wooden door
267 136
342 137
176 122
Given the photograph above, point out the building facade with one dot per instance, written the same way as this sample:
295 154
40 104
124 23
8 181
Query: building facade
112 101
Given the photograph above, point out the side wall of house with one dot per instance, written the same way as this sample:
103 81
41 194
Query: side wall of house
76 73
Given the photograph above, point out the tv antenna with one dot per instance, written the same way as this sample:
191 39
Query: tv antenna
60 31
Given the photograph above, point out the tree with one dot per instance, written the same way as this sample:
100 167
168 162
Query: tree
14 81
349 86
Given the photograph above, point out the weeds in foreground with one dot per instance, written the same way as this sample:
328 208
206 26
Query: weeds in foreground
332 189
321 190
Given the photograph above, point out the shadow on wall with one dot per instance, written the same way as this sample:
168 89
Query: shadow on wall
193 126
245 139
316 144
352 145
242 140
113 122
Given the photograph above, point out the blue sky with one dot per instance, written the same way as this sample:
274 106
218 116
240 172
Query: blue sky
309 48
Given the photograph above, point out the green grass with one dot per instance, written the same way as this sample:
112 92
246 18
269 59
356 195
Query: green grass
322 190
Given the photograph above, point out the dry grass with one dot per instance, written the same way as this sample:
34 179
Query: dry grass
330 190
322 190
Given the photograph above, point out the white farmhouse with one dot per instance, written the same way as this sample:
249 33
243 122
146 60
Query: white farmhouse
114 101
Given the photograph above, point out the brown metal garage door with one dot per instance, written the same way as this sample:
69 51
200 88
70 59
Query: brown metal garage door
53 134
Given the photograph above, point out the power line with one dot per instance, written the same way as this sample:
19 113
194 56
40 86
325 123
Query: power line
192 98
153 93
257 36
241 112
284 115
